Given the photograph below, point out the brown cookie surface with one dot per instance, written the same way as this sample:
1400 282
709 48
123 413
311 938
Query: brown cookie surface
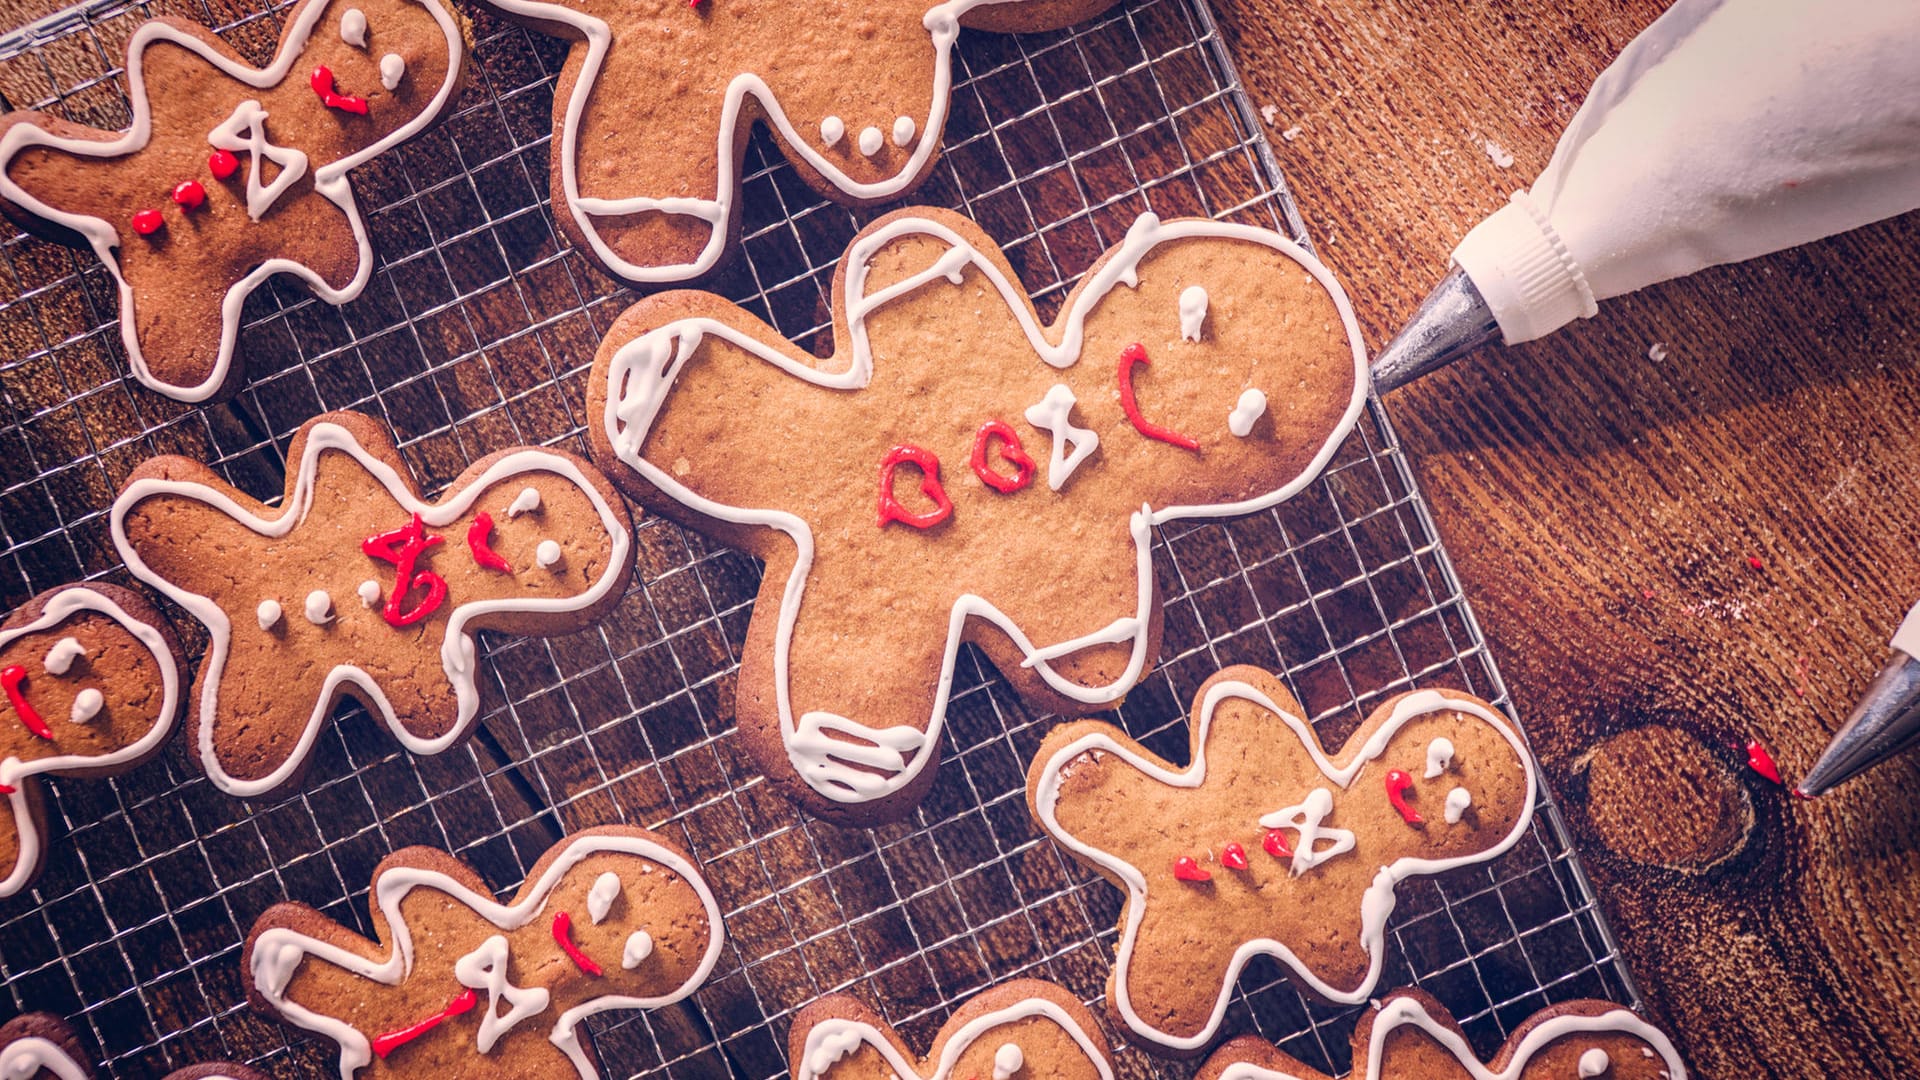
355 586
1266 844
1026 1029
230 174
464 986
955 471
41 1046
1411 1036
90 686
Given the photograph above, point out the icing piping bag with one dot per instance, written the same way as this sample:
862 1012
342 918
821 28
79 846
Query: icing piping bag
1886 721
1727 130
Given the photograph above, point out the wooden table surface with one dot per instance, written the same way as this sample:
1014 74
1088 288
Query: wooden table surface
1603 501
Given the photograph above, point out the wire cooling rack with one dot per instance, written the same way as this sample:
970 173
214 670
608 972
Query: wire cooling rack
477 332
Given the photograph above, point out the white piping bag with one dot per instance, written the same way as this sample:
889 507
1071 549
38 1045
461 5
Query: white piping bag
1728 129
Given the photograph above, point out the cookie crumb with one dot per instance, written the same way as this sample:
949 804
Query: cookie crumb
1293 132
1499 155
1268 112
1658 352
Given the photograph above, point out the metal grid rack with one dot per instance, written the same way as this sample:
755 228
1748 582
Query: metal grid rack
477 331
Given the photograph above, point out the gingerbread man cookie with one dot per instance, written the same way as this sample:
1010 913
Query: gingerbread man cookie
41 1046
957 472
609 918
1265 845
91 684
1410 1036
356 586
230 174
1026 1029
653 108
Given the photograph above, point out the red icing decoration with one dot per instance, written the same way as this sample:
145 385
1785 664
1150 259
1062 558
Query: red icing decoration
1397 784
563 936
7 789
148 222
10 679
1233 856
477 534
412 539
1276 844
322 83
1011 452
890 508
190 194
1760 761
1136 353
222 163
1754 562
1186 869
393 1040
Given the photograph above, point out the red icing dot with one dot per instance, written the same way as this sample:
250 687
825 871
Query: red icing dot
393 1040
1276 844
563 936
148 222
890 508
1011 452
1233 856
10 679
222 163
1760 761
1136 353
190 194
7 789
1753 561
1186 869
1397 784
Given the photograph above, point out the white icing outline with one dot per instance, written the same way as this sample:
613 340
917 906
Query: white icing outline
278 951
25 1057
839 1036
1401 1011
641 372
1376 903
13 771
330 179
456 650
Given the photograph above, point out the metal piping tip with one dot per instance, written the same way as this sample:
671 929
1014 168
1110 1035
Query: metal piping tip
1886 721
1452 321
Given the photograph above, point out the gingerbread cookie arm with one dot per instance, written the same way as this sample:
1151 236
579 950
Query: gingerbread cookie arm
1020 1029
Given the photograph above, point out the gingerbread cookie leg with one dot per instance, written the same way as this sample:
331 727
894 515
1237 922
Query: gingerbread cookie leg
37 1045
1020 1030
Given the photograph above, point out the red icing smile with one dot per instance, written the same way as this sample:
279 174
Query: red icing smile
563 937
477 536
10 679
1397 784
322 83
1137 354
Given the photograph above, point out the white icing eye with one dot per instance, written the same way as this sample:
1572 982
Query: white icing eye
547 554
1594 1062
87 705
1251 407
1007 1061
600 898
353 28
639 947
1439 756
1193 312
268 613
60 658
393 68
903 131
1457 802
871 140
369 591
524 503
319 607
832 130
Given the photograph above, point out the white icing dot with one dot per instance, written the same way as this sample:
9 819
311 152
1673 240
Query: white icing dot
1193 311
353 28
871 139
639 947
1251 407
600 898
60 658
903 131
524 503
1439 756
1594 1062
832 130
393 68
87 705
319 607
547 553
369 591
1457 802
268 613
1007 1061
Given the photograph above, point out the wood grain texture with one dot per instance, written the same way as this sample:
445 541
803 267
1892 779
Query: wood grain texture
1603 506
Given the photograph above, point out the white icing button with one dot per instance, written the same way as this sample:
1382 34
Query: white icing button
639 947
832 130
393 68
1007 1061
1439 756
1457 802
903 131
369 591
600 898
1251 407
1193 312
547 553
87 705
1594 1062
871 140
319 607
60 658
268 613
353 28
524 503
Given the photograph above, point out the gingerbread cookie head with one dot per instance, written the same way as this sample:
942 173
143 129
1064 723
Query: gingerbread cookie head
41 1046
1020 1030
230 174
957 471
89 686
356 586
1410 1036
610 918
1264 843
654 106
